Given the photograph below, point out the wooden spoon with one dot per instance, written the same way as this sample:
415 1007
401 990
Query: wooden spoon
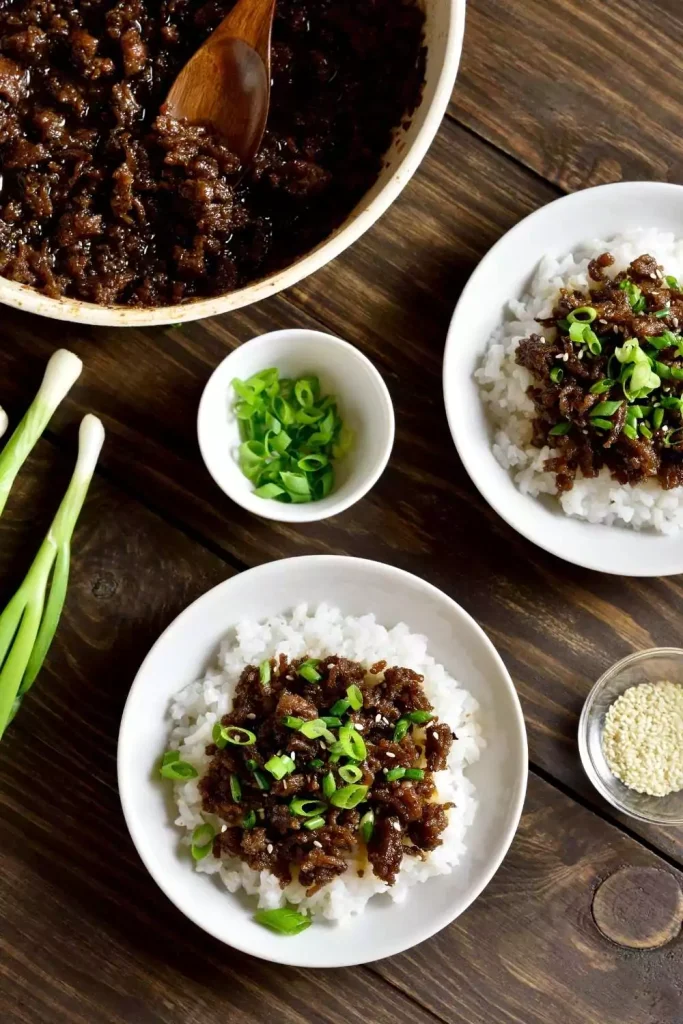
226 83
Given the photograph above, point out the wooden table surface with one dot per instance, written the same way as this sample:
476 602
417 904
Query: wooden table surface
553 96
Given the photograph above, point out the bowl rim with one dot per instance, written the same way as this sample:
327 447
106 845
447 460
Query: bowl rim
582 733
24 297
450 911
314 511
524 526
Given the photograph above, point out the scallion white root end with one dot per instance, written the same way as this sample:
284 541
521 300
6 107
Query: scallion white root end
4 422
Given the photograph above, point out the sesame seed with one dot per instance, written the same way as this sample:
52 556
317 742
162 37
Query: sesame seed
378 718
582 353
396 825
358 726
435 734
389 754
643 738
560 355
293 755
330 667
224 828
602 320
269 848
251 715
566 357
318 844
385 770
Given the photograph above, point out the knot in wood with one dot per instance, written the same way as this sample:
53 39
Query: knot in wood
639 908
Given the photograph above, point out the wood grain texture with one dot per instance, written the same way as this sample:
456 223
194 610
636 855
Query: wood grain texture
557 626
639 908
582 93
529 952
86 936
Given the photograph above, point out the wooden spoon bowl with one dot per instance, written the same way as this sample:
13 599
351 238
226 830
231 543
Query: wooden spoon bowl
226 83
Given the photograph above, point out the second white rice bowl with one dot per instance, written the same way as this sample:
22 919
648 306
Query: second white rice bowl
504 383
325 631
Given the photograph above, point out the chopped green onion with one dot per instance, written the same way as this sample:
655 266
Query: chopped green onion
556 374
350 773
657 418
601 424
312 823
331 721
662 313
421 717
671 402
289 436
602 386
592 341
340 707
169 757
414 773
178 771
366 826
284 921
202 841
349 796
606 408
633 293
351 744
308 670
354 697
304 807
313 730
329 785
249 820
316 764
264 673
233 734
251 764
261 781
279 766
577 333
645 430
630 431
583 314
235 788
672 283
560 429
401 729
395 774
292 723
674 438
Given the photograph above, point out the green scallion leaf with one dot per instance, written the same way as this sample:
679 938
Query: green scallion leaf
601 424
366 826
178 771
291 722
420 717
235 788
304 807
202 841
249 820
284 921
645 430
261 781
308 670
279 766
606 408
329 785
350 773
657 418
264 672
394 774
316 764
313 823
556 374
583 314
331 721
602 386
560 429
340 707
414 774
349 796
354 697
400 729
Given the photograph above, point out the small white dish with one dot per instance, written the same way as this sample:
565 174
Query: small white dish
364 405
357 587
504 274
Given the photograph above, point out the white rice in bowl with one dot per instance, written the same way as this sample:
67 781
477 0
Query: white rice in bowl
503 387
325 631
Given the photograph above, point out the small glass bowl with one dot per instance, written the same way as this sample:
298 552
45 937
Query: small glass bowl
653 666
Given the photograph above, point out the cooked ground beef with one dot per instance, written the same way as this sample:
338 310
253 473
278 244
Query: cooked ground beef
260 824
608 389
104 199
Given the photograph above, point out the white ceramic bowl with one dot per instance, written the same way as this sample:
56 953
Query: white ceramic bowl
505 273
357 587
444 30
364 405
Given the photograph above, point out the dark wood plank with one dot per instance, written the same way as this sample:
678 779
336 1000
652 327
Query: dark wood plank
557 626
88 938
547 961
583 93
85 936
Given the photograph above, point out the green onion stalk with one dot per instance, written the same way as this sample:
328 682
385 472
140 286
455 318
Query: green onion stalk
29 622
61 373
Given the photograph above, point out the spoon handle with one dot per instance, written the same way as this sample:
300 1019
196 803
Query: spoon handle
250 20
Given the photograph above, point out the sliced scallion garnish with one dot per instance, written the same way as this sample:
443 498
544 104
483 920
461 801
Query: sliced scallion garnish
235 788
249 820
307 808
414 774
367 825
354 697
556 374
202 841
284 921
421 717
349 796
292 722
264 672
394 774
400 729
312 823
177 770
560 429
329 785
350 773
308 670
279 766
582 314
340 707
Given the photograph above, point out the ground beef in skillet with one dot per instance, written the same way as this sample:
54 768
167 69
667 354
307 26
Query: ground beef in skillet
103 199
263 829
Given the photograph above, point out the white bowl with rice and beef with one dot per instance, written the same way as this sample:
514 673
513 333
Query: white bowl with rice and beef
597 515
320 607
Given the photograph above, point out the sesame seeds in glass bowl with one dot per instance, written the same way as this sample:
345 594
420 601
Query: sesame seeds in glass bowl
631 729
